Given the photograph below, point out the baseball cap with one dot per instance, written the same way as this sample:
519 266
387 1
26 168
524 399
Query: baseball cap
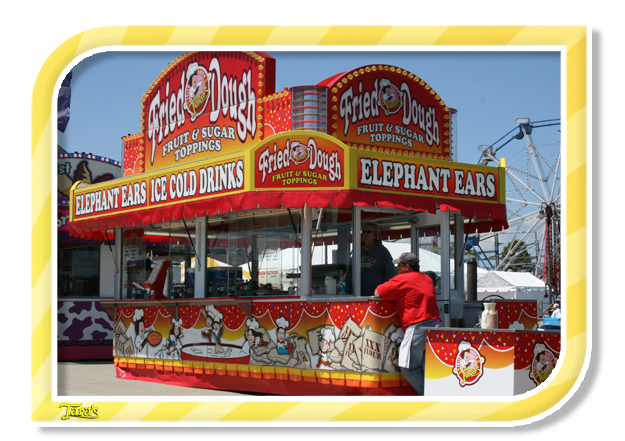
408 258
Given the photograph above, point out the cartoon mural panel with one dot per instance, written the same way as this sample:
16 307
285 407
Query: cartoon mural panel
351 336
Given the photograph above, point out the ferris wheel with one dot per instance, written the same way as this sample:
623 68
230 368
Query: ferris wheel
533 200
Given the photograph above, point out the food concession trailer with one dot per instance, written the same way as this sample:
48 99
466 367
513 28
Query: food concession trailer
239 214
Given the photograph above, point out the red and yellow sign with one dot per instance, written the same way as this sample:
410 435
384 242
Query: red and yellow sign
389 107
204 104
300 160
151 190
435 178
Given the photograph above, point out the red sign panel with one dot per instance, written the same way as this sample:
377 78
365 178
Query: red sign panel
299 161
162 189
443 179
204 105
390 107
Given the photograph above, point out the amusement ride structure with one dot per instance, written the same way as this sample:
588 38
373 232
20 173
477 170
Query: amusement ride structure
533 200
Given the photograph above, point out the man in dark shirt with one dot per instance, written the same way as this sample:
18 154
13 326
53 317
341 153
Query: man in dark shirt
376 263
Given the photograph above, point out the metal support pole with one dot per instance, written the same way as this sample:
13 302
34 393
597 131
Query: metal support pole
306 276
118 277
445 266
459 252
201 240
356 281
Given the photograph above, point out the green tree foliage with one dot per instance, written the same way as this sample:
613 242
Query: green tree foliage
520 259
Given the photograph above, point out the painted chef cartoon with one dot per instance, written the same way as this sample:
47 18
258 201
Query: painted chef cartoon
253 337
208 313
326 337
283 341
543 362
299 152
390 97
174 343
196 89
142 335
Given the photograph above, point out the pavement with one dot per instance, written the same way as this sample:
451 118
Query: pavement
98 378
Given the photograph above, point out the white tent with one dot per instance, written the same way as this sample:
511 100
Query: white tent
510 285
288 260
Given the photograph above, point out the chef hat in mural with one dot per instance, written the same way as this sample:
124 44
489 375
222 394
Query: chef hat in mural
252 323
327 335
384 82
398 335
539 348
138 315
464 346
215 315
282 323
191 71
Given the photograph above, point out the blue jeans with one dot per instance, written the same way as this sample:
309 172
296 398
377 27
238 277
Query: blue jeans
415 374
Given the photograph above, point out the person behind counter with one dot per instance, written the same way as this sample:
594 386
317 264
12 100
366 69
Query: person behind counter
556 311
415 300
376 262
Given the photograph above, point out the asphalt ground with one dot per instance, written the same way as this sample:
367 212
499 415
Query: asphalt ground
98 378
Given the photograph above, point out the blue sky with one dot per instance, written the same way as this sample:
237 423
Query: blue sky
490 90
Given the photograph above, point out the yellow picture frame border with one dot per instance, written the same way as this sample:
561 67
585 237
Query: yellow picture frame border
519 410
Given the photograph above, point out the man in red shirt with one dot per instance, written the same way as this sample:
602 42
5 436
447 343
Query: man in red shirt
415 300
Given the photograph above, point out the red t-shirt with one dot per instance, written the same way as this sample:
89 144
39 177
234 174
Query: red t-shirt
414 296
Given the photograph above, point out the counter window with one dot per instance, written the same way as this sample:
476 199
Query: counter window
79 272
144 248
261 253
253 254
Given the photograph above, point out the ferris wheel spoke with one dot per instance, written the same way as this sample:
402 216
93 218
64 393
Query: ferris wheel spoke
555 179
511 174
522 239
537 166
526 203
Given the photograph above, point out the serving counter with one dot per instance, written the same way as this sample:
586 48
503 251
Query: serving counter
488 362
276 345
